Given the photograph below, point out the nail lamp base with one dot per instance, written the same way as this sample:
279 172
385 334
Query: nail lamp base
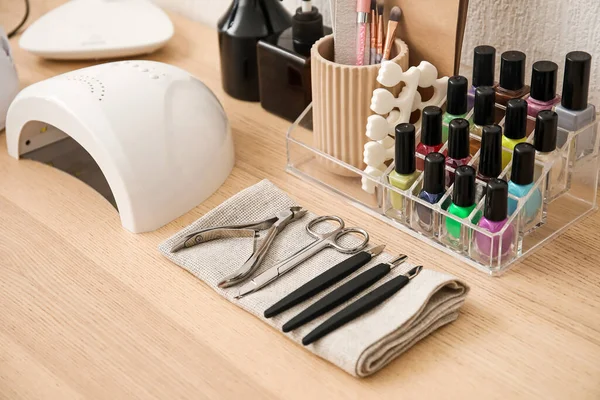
98 29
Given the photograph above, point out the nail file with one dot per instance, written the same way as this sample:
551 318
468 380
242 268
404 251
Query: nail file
344 31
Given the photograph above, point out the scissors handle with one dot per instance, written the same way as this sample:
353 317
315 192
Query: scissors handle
311 224
335 243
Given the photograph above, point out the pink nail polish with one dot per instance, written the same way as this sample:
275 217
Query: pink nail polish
494 220
543 87
458 147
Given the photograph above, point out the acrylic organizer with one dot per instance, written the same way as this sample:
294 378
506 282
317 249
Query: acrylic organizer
545 212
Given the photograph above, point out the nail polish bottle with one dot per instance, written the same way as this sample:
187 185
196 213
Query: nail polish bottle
512 77
484 108
494 220
431 133
543 87
515 126
405 172
544 141
521 182
458 147
456 102
490 154
484 65
574 112
463 200
433 189
242 26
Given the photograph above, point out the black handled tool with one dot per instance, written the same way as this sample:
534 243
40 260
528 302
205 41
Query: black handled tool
343 293
361 306
323 281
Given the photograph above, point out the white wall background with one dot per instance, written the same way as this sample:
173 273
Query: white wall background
543 29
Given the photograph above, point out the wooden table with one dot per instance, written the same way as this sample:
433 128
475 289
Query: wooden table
90 310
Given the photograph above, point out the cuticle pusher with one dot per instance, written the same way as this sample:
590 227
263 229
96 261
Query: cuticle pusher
343 293
324 280
361 306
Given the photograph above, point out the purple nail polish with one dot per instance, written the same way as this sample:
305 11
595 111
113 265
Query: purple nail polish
543 87
484 64
494 219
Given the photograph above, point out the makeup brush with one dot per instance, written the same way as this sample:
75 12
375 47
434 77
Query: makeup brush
373 58
380 28
391 31
362 11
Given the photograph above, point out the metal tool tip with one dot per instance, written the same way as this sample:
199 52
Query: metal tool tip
414 272
375 251
398 260
223 284
176 247
241 294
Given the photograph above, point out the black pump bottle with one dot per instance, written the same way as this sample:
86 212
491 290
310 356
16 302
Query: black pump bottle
242 26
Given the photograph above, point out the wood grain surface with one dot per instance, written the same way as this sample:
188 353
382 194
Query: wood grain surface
88 310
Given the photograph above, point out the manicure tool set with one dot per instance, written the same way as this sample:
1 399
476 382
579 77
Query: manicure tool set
332 238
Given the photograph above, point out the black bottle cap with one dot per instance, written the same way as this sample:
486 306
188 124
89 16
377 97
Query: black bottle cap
485 100
456 103
463 194
523 163
431 126
515 124
543 80
484 63
490 154
576 82
458 139
496 200
546 125
307 28
434 173
405 149
512 70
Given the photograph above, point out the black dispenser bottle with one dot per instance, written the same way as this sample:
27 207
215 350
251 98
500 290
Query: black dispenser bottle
242 26
284 65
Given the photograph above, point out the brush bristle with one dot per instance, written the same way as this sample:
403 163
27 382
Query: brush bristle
380 5
373 5
395 14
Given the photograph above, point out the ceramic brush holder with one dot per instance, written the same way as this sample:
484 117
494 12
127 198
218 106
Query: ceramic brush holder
341 101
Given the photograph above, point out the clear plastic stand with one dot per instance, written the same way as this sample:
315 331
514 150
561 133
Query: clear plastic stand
566 184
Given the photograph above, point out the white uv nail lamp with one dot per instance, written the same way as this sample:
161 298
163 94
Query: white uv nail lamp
155 140
98 29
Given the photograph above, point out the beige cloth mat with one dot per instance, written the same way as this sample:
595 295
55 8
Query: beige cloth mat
361 347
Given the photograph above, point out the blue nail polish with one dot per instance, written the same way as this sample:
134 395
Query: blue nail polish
521 182
433 189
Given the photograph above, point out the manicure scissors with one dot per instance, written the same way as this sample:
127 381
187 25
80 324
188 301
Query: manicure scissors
323 240
262 243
